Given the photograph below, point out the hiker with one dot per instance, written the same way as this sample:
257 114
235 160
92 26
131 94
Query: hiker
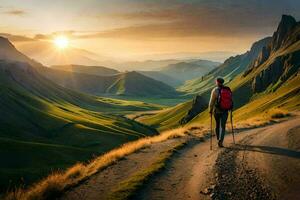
219 105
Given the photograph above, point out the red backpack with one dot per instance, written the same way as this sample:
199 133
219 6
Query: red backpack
225 98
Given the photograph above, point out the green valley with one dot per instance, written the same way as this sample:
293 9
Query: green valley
46 127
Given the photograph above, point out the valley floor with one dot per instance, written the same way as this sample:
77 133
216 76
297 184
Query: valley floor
263 164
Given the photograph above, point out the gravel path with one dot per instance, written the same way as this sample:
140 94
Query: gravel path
100 185
264 164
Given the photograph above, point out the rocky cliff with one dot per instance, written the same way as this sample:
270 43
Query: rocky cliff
199 105
280 59
269 64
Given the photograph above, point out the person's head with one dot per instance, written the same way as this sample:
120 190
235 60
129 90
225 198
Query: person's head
219 81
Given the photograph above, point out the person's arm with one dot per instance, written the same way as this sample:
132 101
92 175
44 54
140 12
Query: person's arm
212 101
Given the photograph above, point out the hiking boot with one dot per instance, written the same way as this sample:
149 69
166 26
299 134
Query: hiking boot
220 144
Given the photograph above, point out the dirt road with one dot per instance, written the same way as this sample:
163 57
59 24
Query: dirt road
263 164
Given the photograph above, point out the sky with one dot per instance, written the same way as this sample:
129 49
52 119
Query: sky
144 29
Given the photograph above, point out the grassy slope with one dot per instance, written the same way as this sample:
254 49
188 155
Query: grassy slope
240 80
41 118
167 118
128 83
285 99
282 96
136 84
159 76
57 183
153 101
93 70
31 160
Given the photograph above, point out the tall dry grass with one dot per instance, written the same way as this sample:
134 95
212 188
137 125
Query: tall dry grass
56 183
265 118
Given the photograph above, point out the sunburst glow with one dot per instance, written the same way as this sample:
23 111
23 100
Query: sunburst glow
61 42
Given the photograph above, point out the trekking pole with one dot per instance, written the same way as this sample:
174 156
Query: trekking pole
211 134
232 127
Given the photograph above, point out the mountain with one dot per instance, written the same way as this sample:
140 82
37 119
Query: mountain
48 127
268 80
184 71
9 52
228 70
176 74
136 84
277 63
46 53
217 56
92 70
127 83
159 76
147 65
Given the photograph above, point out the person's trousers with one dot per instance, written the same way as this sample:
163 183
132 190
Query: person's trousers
221 119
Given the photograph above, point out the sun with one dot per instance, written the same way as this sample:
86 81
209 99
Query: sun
61 42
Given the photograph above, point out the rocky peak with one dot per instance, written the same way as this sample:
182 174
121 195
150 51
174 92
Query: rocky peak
4 43
199 105
9 52
262 57
286 24
260 52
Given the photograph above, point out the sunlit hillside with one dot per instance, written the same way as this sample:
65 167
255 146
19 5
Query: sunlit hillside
68 126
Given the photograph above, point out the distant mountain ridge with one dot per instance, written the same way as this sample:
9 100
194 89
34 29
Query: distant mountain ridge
165 71
92 70
188 70
46 53
110 82
134 83
176 74
159 76
127 83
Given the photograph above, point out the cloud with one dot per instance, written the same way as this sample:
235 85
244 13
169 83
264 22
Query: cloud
16 38
67 33
145 19
15 12
201 19
41 37
187 21
156 15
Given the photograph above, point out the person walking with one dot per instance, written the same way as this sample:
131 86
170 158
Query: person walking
219 105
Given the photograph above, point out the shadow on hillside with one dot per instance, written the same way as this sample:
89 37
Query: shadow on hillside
267 149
